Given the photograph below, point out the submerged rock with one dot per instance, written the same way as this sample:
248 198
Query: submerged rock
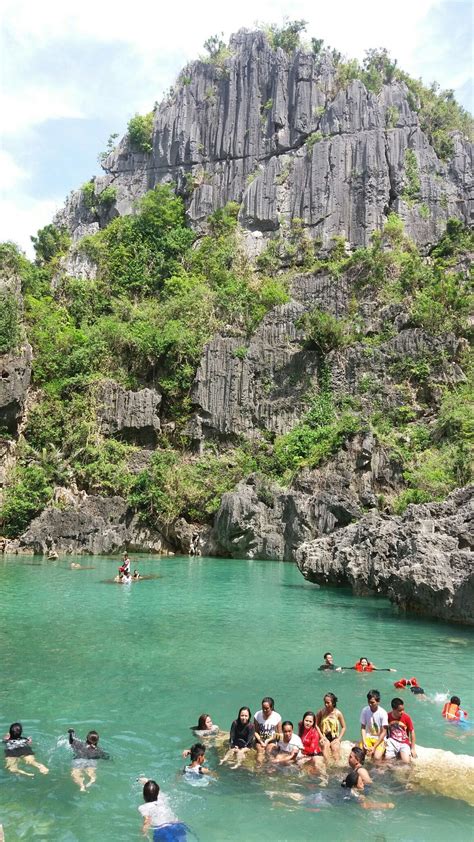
422 561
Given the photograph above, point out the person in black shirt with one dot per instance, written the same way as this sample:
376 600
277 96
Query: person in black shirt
329 663
242 737
86 753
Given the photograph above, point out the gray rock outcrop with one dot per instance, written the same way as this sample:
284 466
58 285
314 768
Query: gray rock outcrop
261 520
89 524
133 416
422 561
275 133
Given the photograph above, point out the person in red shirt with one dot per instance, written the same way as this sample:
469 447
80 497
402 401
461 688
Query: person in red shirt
401 734
309 736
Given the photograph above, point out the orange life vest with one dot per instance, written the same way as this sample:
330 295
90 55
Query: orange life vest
358 666
453 712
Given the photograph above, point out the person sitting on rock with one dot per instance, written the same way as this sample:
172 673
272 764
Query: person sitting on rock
401 734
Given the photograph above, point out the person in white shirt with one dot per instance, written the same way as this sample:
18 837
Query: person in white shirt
267 725
290 748
157 814
373 726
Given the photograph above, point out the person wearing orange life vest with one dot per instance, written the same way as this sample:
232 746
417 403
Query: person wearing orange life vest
452 710
364 665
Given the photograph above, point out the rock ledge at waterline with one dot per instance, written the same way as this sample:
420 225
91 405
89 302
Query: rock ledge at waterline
422 561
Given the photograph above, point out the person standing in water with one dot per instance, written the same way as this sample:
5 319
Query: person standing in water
332 727
86 754
18 748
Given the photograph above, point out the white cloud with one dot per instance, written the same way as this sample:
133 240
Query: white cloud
23 215
36 105
11 175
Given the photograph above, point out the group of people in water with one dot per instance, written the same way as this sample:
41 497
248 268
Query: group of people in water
124 576
315 743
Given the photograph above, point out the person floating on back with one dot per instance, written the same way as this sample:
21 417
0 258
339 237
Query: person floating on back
452 710
18 749
158 815
86 754
364 665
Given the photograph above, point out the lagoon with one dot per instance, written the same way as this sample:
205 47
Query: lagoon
141 662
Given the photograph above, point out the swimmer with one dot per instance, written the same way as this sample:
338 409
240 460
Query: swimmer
196 768
119 577
86 754
205 727
158 815
401 734
242 738
328 663
364 665
136 575
452 710
75 565
358 778
18 749
332 727
268 726
289 749
373 726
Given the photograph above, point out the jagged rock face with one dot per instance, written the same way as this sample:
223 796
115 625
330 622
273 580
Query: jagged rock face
15 376
89 524
264 521
248 122
423 561
133 416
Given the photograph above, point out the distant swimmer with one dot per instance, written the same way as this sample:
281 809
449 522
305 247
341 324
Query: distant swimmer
136 575
364 665
328 663
159 817
86 754
18 749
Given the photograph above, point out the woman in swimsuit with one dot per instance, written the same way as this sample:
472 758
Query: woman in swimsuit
332 727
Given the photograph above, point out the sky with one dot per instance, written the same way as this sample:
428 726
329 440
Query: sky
72 73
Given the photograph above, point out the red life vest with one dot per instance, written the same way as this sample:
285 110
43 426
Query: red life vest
358 666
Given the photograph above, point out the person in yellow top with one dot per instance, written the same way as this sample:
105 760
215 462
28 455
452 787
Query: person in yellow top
332 727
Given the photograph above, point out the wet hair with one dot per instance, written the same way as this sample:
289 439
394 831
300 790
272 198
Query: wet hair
269 700
326 654
151 790
373 694
396 702
92 738
351 780
364 659
15 730
245 708
286 722
201 726
455 700
301 724
332 697
197 750
359 753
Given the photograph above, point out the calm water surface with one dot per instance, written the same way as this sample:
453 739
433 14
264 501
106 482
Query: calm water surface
140 662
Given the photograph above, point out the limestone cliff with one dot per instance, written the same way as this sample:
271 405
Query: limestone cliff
281 136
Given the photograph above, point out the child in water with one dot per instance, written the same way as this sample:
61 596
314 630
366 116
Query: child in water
18 748
452 710
86 755
196 770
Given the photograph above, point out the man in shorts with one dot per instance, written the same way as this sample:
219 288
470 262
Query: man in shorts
373 726
401 734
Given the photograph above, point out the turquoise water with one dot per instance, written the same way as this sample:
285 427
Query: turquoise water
140 662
